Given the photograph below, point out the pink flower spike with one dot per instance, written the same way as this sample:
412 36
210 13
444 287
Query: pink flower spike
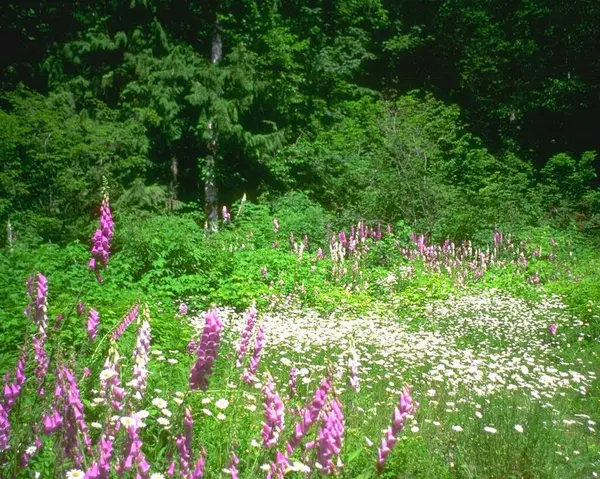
207 351
101 241
407 407
92 324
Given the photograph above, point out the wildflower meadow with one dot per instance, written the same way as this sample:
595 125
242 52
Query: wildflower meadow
375 354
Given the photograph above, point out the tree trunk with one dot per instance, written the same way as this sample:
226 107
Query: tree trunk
210 187
172 199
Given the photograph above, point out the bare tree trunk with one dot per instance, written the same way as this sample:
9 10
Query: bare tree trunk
210 188
171 201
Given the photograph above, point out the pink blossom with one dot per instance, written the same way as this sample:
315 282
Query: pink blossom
249 372
207 351
407 406
102 239
274 412
330 437
127 320
92 324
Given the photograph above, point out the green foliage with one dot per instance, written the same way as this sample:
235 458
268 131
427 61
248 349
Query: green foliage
331 98
54 157
566 185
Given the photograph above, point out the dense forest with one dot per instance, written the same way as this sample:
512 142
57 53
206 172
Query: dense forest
454 117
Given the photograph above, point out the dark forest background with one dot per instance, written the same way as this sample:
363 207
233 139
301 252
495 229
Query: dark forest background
453 117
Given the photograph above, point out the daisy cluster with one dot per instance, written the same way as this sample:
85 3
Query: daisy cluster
486 342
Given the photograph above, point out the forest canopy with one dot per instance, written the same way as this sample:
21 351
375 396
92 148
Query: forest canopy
454 117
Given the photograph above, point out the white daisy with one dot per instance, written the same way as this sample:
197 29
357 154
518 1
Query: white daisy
159 403
75 474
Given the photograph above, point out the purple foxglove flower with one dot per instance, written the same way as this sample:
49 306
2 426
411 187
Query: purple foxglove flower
73 421
133 455
250 372
110 382
4 428
552 328
274 412
207 351
232 470
52 422
12 390
11 394
330 437
184 445
192 346
278 467
37 309
106 454
199 469
93 471
183 309
102 239
407 406
310 414
242 346
127 320
275 225
92 324
141 356
42 360
20 370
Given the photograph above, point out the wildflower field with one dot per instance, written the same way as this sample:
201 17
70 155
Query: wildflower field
377 355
